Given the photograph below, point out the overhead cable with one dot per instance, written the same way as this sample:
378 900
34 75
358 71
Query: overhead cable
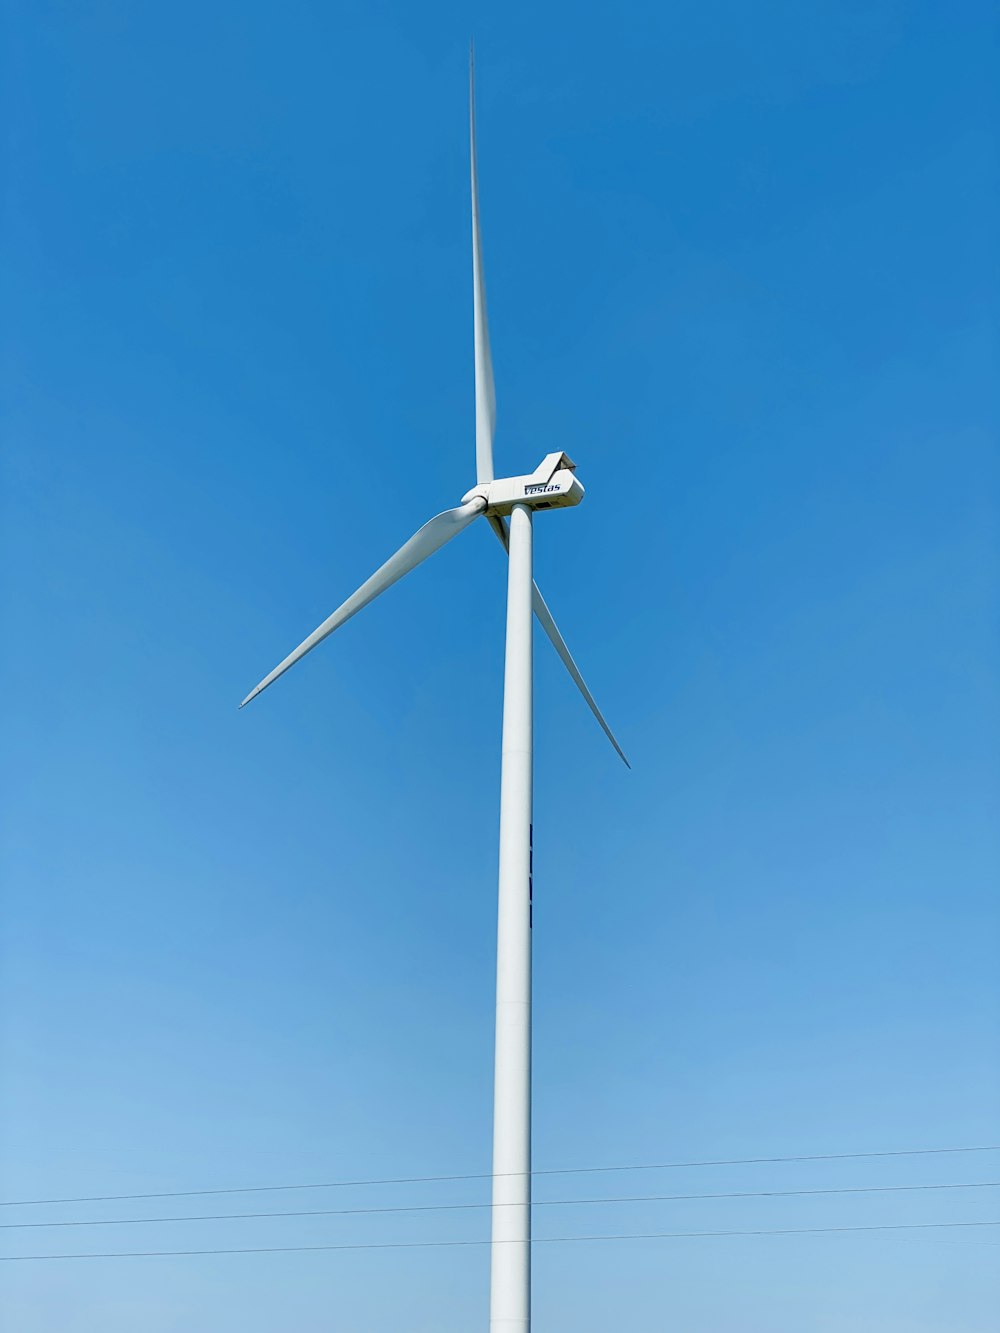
535 1240
538 1203
487 1175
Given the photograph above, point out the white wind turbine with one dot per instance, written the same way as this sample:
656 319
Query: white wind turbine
553 485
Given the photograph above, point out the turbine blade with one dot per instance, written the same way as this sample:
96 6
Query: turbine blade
559 643
486 403
430 538
548 624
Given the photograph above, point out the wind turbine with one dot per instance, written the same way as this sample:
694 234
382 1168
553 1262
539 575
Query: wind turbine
508 505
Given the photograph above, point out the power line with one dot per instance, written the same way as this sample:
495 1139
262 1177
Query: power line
537 1240
487 1175
538 1203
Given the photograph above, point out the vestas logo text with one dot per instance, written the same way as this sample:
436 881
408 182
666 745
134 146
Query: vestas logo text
539 490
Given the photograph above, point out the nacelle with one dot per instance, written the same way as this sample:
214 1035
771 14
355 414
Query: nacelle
553 485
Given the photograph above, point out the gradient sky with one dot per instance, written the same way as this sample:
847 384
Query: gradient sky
741 264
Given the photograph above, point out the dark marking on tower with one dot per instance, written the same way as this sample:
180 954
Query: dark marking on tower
531 876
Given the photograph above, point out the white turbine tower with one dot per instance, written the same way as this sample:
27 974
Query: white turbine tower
553 485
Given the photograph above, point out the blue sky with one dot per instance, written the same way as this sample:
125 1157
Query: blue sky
741 265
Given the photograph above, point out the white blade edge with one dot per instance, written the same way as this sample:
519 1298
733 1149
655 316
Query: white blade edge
559 643
486 402
544 616
430 538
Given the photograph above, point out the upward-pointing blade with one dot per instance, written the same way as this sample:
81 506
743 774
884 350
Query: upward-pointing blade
430 538
486 403
544 617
